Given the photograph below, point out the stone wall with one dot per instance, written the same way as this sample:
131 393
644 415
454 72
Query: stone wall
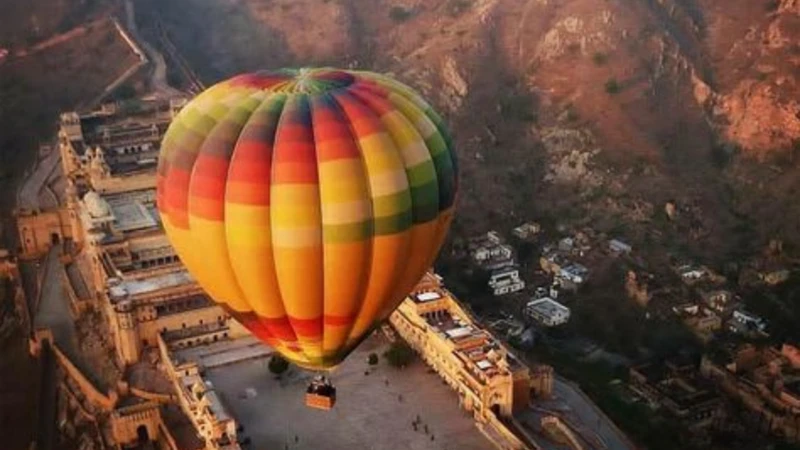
127 423
102 401
38 231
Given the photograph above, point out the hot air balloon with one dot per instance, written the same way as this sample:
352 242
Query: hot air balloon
307 202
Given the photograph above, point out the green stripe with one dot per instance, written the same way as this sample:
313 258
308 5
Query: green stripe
393 224
392 204
436 144
348 232
421 174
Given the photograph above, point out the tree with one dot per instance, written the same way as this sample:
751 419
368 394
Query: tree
600 58
400 14
612 86
399 354
372 360
278 365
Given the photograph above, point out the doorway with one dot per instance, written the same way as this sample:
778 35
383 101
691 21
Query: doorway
142 434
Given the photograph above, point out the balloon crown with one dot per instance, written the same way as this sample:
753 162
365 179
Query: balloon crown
298 81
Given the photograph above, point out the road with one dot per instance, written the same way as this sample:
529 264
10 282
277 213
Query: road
53 313
44 170
584 416
158 79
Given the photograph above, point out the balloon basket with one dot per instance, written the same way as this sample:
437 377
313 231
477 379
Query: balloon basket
321 394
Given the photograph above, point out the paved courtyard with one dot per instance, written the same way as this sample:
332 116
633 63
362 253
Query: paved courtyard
372 412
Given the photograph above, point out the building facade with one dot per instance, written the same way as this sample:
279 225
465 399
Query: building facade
490 381
109 157
547 312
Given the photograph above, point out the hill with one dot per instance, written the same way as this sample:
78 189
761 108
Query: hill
569 109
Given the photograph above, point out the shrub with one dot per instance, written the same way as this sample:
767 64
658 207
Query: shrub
456 7
612 86
399 14
600 58
372 359
517 106
399 354
278 365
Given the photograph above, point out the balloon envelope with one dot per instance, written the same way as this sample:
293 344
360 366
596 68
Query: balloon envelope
308 202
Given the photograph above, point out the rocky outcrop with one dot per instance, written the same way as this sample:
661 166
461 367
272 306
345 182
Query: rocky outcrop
760 121
455 88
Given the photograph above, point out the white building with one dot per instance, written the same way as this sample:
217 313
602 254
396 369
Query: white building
618 247
527 231
494 252
547 312
743 321
574 273
505 281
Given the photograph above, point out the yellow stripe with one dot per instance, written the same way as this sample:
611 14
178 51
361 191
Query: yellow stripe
412 147
248 225
388 183
342 180
295 206
380 154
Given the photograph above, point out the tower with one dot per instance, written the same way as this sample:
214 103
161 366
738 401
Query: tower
128 344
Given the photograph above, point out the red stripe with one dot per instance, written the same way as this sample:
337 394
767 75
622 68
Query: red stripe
310 328
378 104
339 321
363 121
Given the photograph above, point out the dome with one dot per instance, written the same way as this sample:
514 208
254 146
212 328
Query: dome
96 206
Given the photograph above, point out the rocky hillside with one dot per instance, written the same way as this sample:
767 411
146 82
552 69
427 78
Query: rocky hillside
573 110
569 109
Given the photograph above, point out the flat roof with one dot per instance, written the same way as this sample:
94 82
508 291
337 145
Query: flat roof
547 306
458 332
152 284
427 296
132 216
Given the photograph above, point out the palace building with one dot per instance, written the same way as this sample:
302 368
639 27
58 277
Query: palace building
109 157
489 379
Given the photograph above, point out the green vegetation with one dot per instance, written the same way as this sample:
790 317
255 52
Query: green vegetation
572 115
600 58
517 106
372 359
772 5
612 86
125 92
457 7
400 14
278 365
399 354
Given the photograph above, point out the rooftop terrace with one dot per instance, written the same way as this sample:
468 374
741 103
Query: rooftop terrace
132 288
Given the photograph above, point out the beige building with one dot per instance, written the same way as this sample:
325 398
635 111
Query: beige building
196 396
109 157
490 380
